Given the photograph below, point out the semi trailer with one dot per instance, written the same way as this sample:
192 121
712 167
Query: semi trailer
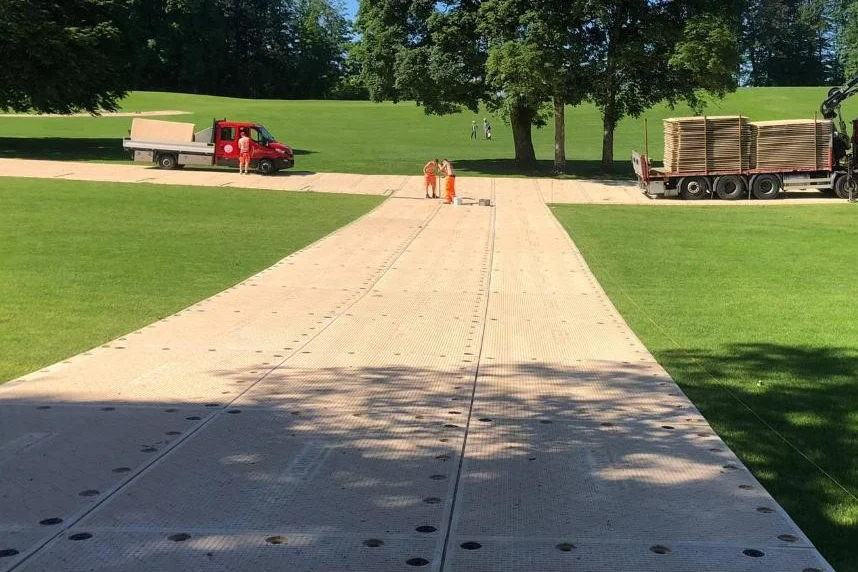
171 145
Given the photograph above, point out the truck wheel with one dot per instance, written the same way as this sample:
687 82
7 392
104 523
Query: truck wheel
694 188
841 187
730 187
167 161
766 187
265 167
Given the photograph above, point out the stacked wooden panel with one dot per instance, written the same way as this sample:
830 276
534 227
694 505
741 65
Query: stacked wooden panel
790 144
707 144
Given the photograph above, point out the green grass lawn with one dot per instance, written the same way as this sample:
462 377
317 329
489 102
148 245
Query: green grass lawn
82 263
752 313
364 137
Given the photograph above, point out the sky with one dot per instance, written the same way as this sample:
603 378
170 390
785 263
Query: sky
351 8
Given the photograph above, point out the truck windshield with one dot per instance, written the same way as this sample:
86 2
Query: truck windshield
266 134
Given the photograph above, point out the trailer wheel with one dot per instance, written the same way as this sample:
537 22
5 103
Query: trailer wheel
167 161
265 167
730 187
842 187
694 188
766 186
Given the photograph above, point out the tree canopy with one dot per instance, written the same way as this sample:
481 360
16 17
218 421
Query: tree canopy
62 56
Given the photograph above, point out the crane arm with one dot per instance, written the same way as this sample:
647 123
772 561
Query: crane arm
830 108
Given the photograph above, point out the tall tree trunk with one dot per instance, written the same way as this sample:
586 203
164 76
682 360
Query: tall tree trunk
521 118
609 124
559 134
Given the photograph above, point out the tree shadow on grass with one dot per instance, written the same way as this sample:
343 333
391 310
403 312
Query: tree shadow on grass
575 169
63 149
805 395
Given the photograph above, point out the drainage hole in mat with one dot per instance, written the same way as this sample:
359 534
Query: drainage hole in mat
276 540
443 440
753 553
746 487
417 562
788 538
730 467
171 433
607 424
659 549
80 536
234 411
89 493
43 407
171 410
6 552
451 426
443 457
108 409
565 547
432 500
667 427
454 412
765 510
426 529
811 570
122 470
484 420
148 450
193 418
180 537
50 521
471 545
372 542
546 421
716 450
212 405
438 477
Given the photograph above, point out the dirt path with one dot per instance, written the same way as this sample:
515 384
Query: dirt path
434 387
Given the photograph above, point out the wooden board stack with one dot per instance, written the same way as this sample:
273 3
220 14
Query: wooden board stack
707 144
791 144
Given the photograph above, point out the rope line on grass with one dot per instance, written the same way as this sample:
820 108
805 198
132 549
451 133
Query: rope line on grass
726 388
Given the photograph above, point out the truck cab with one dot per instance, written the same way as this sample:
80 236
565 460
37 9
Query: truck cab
267 155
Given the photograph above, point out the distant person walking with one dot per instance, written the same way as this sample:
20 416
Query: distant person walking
489 133
474 130
450 185
429 180
243 152
487 128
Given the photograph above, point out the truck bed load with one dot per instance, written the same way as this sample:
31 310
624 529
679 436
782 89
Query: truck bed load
791 144
706 144
161 131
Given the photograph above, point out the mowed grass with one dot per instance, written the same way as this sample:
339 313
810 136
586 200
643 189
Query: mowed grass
751 310
387 138
82 263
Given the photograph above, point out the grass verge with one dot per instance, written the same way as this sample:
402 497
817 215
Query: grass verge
750 311
386 138
82 263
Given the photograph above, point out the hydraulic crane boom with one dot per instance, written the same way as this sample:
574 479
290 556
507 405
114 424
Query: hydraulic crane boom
830 108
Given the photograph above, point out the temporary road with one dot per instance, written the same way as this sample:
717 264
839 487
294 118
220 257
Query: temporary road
431 387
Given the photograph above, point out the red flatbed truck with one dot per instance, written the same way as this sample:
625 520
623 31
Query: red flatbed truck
171 145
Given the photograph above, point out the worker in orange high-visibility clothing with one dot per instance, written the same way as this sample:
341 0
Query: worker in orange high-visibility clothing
429 179
243 152
450 185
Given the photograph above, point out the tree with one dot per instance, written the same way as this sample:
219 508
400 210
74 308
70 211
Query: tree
641 53
534 52
789 42
61 57
447 56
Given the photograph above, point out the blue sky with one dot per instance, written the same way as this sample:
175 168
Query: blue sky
351 8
